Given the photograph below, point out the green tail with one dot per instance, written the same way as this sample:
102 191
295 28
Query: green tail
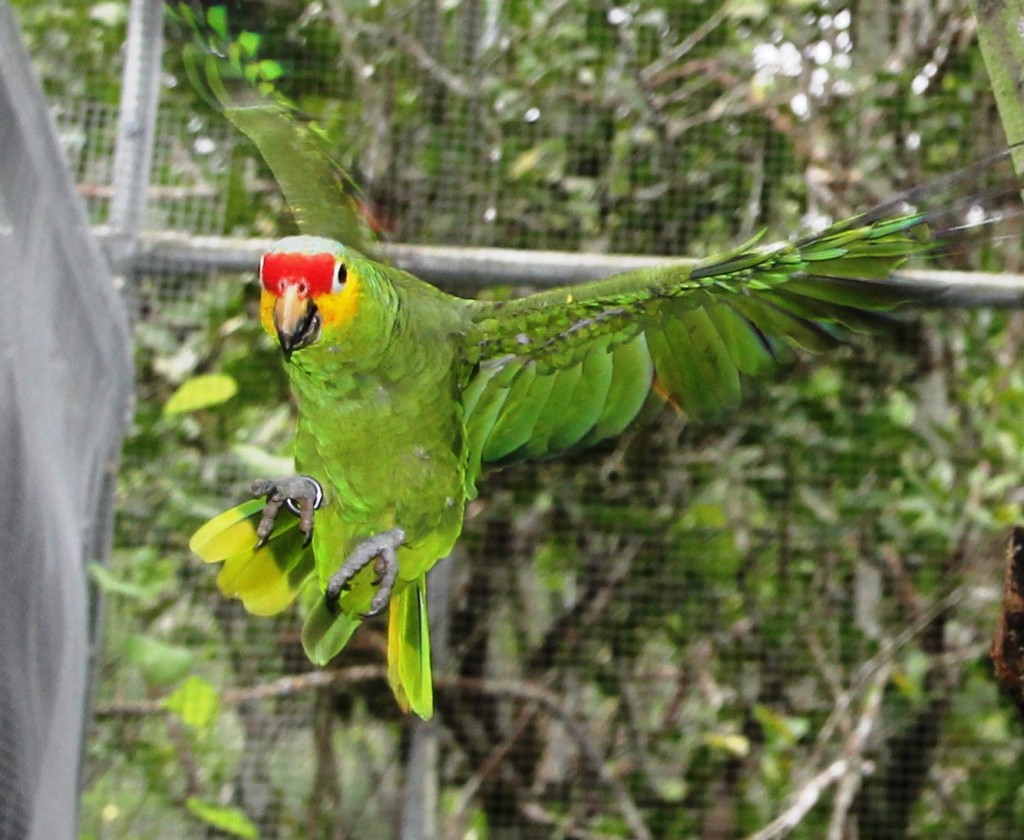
409 649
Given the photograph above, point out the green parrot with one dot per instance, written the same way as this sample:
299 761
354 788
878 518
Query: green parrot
406 395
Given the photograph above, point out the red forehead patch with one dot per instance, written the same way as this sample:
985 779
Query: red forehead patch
312 273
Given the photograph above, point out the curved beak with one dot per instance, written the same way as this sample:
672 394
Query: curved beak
296 319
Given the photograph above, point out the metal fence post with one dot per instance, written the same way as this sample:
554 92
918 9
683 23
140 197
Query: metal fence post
140 94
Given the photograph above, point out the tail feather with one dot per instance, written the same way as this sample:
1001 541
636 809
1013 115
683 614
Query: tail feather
409 649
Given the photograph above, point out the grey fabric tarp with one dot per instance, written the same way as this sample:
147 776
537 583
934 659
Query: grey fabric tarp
65 382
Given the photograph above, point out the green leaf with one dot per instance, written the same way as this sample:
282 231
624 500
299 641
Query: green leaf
223 817
201 391
217 19
271 70
901 409
545 160
733 743
195 701
781 730
110 584
249 42
161 663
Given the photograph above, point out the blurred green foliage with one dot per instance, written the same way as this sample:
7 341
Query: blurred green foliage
76 46
695 620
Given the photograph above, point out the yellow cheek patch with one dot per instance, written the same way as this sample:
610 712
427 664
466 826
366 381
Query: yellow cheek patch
267 311
339 308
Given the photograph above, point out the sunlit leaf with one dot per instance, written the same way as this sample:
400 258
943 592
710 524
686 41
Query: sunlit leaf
729 742
224 818
271 70
217 19
249 42
201 391
195 701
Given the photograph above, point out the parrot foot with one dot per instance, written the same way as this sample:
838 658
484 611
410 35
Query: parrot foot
301 493
380 548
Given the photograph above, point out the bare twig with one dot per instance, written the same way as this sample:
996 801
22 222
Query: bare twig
550 702
186 758
509 689
805 799
846 771
282 687
437 71
456 826
673 54
854 751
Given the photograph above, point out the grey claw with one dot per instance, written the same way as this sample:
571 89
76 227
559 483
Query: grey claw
380 548
301 493
387 570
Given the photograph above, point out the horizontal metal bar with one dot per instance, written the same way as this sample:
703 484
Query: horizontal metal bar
465 270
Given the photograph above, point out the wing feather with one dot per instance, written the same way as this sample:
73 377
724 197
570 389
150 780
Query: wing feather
568 367
266 578
630 386
515 424
692 361
584 402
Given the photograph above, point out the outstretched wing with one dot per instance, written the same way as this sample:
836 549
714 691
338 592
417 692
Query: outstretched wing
321 196
226 71
568 367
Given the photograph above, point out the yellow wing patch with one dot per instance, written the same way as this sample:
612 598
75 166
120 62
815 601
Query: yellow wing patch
265 579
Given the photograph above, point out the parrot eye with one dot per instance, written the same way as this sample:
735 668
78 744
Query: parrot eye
340 273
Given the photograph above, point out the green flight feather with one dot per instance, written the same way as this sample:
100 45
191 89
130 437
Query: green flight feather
227 73
583 393
632 374
527 397
706 326
693 363
319 192
749 351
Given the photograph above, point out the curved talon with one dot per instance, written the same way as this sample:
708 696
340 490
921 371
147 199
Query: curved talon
386 568
380 548
301 493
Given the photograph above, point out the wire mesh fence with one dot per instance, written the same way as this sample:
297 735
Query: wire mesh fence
772 625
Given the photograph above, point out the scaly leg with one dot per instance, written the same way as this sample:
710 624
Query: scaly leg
301 493
380 547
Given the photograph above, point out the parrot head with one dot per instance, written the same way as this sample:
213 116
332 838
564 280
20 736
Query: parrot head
309 287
